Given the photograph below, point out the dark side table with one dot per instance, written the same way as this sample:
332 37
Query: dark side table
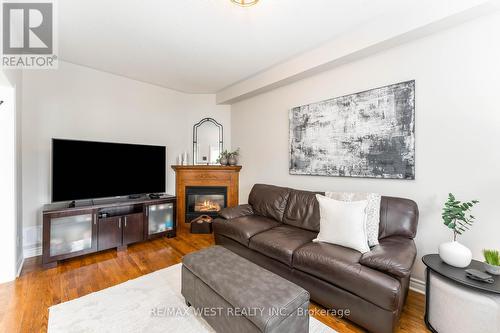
455 275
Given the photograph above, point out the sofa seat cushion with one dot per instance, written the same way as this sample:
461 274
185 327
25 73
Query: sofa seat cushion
281 242
340 266
241 229
394 255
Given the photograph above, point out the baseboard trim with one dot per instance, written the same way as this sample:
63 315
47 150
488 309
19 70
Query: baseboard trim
417 285
20 267
32 252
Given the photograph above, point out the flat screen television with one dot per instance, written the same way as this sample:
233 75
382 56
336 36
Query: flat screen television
91 170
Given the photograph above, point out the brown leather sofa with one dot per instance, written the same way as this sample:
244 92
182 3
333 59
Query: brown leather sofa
275 230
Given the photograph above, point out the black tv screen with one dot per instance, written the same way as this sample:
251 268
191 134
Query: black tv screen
89 170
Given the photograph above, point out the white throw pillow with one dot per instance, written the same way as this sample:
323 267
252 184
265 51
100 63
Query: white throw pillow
343 223
372 211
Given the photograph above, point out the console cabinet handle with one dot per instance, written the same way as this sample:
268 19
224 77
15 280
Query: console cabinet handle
125 221
120 223
95 219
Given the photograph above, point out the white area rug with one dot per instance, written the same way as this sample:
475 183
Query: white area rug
128 307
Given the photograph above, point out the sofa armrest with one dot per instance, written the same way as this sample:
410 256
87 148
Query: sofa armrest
234 212
394 255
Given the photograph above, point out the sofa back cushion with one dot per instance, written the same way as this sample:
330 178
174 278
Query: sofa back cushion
398 217
269 201
303 210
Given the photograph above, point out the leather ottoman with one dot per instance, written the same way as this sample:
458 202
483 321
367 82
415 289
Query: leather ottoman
234 295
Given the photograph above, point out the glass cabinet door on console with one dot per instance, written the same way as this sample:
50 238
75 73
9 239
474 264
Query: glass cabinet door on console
161 219
69 234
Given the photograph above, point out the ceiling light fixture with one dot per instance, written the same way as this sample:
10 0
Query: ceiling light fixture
245 3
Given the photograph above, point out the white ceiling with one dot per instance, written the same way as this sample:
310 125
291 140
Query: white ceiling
203 46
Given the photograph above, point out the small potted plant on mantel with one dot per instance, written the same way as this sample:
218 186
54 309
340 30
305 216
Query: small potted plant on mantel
223 157
456 216
229 157
233 157
492 261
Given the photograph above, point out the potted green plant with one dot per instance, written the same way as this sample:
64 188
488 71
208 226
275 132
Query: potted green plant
223 158
492 261
233 157
456 216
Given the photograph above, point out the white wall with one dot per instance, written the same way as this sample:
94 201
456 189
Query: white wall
16 79
10 244
457 75
13 80
80 103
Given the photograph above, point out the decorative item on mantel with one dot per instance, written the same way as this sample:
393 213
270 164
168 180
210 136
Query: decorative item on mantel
183 159
492 261
208 140
229 157
456 218
222 160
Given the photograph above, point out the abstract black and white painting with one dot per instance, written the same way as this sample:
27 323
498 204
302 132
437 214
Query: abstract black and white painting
367 134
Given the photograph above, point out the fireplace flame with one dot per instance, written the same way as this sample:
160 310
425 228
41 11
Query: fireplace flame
207 206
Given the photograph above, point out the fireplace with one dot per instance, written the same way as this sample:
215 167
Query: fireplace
204 200
225 179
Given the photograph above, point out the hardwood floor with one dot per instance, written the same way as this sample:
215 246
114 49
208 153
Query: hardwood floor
24 303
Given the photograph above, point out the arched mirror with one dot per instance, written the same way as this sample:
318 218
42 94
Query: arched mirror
208 141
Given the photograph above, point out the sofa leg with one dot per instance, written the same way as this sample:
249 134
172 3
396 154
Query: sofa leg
188 304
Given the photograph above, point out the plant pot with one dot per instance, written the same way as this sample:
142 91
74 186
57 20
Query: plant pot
495 270
223 161
455 254
232 161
